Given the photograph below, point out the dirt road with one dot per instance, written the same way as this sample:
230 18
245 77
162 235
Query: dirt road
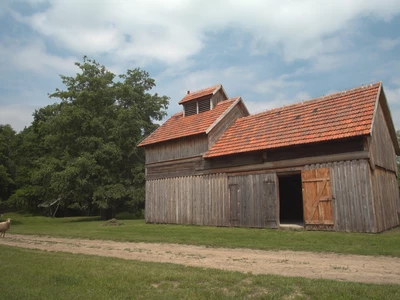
286 263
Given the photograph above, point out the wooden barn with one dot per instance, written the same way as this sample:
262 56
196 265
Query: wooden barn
327 163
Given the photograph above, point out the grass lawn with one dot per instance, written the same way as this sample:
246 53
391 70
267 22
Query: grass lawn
387 243
32 274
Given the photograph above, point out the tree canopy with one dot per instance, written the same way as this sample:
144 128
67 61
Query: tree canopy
81 150
7 164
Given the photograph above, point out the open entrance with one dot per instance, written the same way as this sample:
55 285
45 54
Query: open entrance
290 199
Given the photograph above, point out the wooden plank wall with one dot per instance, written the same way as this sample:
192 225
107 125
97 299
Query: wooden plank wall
256 200
198 200
178 168
386 197
215 200
218 97
382 149
224 124
177 149
352 195
384 180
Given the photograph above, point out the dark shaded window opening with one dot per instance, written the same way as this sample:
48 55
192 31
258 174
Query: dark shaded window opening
291 199
204 105
190 108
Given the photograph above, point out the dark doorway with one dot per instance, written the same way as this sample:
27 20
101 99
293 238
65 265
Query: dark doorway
290 199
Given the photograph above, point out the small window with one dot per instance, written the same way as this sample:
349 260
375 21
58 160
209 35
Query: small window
204 105
190 108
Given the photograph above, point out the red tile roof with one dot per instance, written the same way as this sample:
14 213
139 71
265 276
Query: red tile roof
340 115
179 126
201 93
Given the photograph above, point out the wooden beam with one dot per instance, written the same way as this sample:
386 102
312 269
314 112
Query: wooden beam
291 163
175 161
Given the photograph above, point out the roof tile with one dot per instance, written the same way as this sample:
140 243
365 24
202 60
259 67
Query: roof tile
179 126
200 93
340 115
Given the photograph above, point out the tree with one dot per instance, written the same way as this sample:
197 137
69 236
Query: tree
88 157
7 165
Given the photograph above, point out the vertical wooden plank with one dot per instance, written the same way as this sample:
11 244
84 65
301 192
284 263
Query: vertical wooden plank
207 201
243 190
345 198
233 196
351 203
225 202
196 202
361 198
147 202
256 201
332 167
369 197
270 194
213 201
317 198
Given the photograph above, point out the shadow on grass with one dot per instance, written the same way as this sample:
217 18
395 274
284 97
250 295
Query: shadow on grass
86 219
392 230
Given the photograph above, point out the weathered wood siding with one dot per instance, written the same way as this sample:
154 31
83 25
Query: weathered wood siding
346 148
218 97
254 200
383 176
224 124
176 168
177 149
382 149
353 208
216 200
386 197
198 200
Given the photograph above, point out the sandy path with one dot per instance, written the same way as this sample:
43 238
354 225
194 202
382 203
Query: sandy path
285 263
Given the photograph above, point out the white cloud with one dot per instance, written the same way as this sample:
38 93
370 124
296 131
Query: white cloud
393 95
173 31
388 44
18 116
279 100
275 84
32 55
4 7
395 112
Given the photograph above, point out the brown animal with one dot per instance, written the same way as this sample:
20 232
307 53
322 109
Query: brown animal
4 226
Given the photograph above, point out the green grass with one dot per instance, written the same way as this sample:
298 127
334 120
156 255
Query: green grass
387 243
31 274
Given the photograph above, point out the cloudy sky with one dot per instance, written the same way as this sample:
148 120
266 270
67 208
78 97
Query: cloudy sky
271 53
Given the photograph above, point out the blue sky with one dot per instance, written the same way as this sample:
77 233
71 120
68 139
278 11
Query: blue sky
272 53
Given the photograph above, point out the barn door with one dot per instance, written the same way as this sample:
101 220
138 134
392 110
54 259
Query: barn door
317 199
270 196
253 200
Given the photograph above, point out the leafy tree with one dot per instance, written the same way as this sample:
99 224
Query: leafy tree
7 165
27 151
86 155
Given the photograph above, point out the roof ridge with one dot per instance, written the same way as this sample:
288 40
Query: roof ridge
198 94
316 99
230 99
207 88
